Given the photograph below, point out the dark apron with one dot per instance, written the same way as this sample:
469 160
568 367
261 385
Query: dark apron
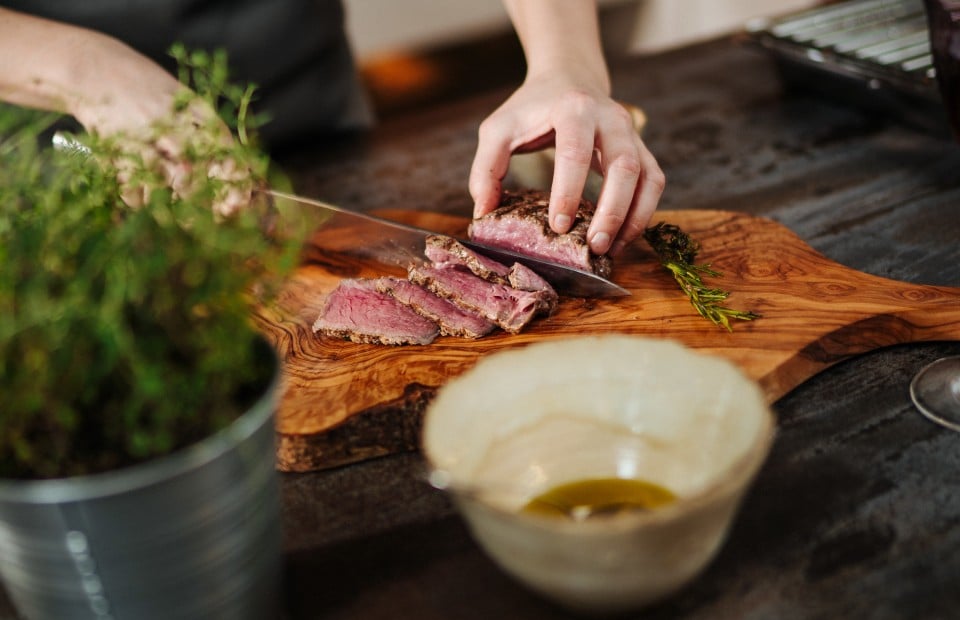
295 51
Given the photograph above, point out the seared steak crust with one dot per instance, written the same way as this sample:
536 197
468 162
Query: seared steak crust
520 224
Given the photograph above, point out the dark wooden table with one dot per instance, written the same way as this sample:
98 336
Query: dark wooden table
856 513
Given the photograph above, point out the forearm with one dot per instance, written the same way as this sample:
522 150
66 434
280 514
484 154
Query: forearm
561 36
39 61
104 83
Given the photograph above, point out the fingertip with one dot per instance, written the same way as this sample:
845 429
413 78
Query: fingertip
485 200
600 243
562 211
481 209
561 223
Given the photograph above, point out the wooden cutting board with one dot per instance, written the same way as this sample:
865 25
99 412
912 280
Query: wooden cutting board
344 402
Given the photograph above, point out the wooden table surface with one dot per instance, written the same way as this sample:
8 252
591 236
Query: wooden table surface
856 513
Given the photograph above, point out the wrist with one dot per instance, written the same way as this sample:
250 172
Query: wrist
561 39
573 71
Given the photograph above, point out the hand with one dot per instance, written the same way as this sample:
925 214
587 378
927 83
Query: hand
136 105
162 147
588 129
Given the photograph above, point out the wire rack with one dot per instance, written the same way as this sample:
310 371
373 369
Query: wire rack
874 53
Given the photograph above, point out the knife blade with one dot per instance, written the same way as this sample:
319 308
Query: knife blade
384 241
393 243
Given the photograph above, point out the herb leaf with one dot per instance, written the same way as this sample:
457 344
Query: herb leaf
678 254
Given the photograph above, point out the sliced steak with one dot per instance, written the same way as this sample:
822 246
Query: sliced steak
357 311
453 320
520 224
441 249
510 308
523 278
526 279
444 250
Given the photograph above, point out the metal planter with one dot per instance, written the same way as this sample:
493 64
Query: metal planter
195 534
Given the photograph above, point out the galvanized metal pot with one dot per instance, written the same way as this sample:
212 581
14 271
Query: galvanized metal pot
195 534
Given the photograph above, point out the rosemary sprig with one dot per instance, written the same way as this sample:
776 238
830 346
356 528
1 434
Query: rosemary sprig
677 253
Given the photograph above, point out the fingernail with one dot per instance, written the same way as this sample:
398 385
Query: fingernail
600 243
561 223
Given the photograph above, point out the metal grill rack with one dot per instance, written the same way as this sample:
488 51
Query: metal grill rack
871 52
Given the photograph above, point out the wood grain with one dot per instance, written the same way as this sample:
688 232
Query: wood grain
345 402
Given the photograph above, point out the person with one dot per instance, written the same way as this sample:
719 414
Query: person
106 65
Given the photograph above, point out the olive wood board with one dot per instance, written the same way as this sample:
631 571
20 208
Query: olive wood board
343 402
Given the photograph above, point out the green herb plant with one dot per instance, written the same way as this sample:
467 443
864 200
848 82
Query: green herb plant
126 332
677 253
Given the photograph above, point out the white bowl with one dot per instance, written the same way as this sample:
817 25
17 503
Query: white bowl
525 420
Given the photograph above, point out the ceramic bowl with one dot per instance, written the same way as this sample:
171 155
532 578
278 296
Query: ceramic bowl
525 420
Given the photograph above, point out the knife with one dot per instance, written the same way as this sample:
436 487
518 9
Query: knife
365 236
393 243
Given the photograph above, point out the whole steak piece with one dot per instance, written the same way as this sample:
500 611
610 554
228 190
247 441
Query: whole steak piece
357 311
520 224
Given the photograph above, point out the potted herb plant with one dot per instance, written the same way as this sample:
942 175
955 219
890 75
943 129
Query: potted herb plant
137 474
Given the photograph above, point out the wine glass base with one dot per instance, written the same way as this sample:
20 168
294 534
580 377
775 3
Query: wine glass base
935 390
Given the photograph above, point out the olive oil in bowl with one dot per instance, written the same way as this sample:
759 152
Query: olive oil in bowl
583 499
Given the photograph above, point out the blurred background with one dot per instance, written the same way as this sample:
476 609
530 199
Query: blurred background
417 51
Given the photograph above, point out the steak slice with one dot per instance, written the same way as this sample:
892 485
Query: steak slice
357 311
510 308
441 249
520 224
444 250
526 279
453 320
